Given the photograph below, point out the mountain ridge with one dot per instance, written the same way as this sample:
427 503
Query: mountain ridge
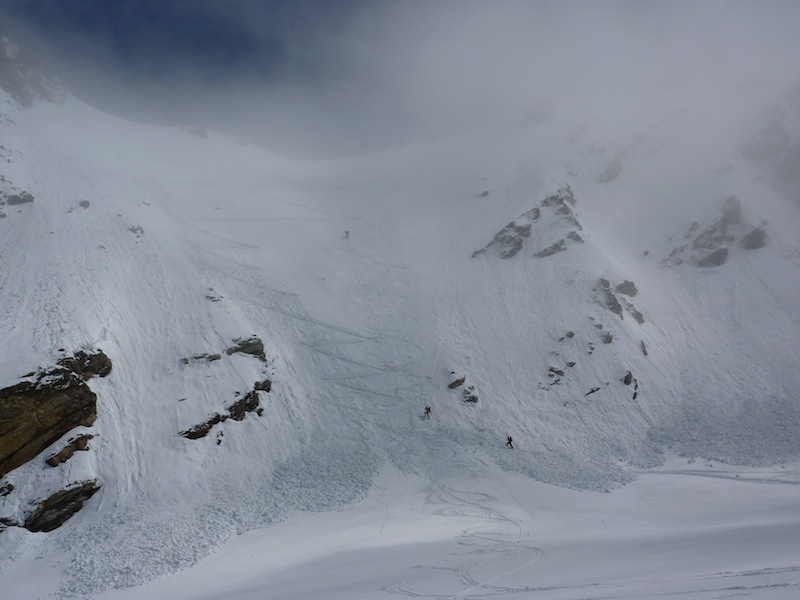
157 245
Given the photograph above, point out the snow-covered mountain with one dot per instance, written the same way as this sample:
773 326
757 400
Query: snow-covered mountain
276 328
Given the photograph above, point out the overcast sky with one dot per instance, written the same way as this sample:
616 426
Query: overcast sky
341 76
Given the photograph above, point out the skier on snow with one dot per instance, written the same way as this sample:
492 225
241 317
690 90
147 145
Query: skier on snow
508 443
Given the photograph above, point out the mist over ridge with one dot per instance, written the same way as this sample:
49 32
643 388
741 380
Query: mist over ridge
331 79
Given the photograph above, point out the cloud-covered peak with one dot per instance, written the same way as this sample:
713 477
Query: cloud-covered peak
23 76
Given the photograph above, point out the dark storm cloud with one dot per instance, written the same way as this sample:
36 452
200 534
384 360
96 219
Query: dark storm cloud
148 36
338 76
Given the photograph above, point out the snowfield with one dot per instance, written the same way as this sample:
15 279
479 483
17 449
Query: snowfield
160 247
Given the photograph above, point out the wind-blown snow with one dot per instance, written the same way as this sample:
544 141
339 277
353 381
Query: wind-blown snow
344 490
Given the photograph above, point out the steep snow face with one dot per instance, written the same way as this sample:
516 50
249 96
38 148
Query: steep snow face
164 248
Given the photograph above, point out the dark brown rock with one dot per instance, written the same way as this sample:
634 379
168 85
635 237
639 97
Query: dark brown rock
77 444
575 237
240 408
55 510
469 394
628 288
252 345
21 198
607 297
636 314
757 238
237 411
559 246
565 194
457 383
88 364
198 357
511 239
715 259
711 237
35 414
202 429
263 386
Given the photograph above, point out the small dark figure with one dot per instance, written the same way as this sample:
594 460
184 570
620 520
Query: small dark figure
346 234
428 412
508 443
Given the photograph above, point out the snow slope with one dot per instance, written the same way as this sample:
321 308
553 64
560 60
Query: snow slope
189 243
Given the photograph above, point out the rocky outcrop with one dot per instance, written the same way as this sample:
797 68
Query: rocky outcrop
468 391
77 444
628 288
711 246
456 383
248 403
252 345
21 198
469 394
575 237
58 508
559 246
87 364
263 386
757 238
11 195
629 379
237 411
6 522
716 259
606 297
212 357
510 240
35 414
